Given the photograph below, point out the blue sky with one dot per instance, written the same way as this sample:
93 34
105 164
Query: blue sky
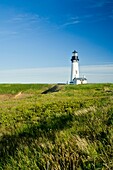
37 38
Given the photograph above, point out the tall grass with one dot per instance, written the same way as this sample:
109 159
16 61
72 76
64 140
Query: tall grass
66 129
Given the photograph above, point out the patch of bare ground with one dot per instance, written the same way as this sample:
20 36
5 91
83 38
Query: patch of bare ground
5 96
19 95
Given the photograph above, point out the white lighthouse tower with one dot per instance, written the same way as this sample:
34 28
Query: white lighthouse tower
75 79
74 66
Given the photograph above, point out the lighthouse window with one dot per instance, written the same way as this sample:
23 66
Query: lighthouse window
76 72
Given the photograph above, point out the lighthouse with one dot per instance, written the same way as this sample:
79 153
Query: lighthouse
75 79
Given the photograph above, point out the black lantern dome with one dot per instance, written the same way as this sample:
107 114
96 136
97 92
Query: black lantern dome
74 56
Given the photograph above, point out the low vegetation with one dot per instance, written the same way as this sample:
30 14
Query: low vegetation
56 127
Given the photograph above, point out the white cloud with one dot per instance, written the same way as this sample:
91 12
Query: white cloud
7 32
24 17
87 18
38 75
71 23
26 22
27 18
94 74
98 73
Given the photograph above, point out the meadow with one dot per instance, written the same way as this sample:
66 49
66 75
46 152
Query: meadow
56 127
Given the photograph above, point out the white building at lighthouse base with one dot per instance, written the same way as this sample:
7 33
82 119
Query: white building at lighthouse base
82 80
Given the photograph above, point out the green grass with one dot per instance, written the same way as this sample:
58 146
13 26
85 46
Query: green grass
15 88
58 127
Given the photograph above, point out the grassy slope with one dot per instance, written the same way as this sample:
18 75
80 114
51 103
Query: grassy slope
71 128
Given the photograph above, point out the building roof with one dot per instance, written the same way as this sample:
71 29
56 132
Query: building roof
80 78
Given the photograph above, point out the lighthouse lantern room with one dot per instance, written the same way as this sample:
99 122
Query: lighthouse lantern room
75 79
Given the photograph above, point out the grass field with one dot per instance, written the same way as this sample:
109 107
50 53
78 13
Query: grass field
56 127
